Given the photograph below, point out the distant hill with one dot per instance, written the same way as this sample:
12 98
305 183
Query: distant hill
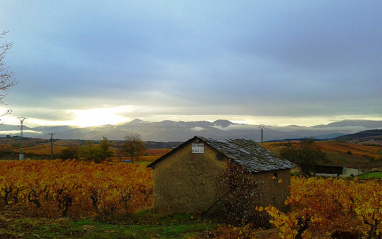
370 124
180 131
374 135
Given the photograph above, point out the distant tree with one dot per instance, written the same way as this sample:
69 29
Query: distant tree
306 154
95 152
105 149
70 152
6 76
89 152
133 146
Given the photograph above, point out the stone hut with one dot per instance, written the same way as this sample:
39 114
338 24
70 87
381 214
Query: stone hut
184 179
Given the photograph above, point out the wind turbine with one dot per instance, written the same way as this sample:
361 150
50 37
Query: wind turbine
262 127
21 155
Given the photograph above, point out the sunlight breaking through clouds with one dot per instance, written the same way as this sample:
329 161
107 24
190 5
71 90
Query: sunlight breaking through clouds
100 116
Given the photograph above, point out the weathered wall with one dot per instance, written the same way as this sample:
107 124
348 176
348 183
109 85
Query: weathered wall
274 188
185 182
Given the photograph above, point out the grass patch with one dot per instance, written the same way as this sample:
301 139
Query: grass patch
138 226
371 175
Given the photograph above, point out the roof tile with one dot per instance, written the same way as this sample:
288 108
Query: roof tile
247 153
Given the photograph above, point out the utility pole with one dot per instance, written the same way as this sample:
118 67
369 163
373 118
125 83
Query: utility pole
21 155
51 145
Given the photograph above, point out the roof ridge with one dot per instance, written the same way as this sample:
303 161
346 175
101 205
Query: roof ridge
249 154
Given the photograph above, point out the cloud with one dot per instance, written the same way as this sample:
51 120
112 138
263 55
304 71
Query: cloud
258 59
197 129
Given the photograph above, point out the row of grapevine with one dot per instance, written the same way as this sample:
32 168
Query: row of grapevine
72 188
329 206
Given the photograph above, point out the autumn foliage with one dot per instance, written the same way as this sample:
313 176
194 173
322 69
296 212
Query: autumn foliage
329 206
72 188
319 207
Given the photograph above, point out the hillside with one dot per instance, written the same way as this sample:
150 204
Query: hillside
363 136
341 153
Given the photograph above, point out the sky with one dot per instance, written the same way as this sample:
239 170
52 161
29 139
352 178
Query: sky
87 63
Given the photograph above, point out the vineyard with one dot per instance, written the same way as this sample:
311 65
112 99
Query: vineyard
341 153
73 193
325 206
75 189
322 208
56 189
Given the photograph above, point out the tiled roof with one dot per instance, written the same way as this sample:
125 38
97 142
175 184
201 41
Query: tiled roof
247 153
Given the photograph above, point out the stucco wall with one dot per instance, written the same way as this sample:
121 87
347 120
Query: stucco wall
186 183
274 188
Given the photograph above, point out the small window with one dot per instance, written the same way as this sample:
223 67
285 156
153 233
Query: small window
219 156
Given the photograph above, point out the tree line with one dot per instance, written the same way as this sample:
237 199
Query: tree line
132 147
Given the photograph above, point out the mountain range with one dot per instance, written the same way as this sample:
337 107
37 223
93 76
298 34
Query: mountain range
169 131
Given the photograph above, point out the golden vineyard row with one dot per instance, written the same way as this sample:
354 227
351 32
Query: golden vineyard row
72 188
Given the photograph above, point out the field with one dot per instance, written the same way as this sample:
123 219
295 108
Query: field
338 152
41 149
54 199
342 153
69 199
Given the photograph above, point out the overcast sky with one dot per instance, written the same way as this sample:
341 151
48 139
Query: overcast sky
259 62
